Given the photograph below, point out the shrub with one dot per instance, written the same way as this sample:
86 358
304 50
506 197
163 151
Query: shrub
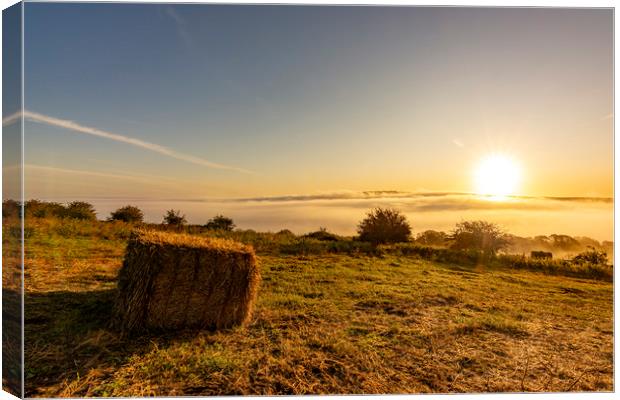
591 256
81 210
127 214
432 238
322 235
220 223
306 246
303 247
439 254
559 267
384 226
44 209
174 218
478 235
541 255
11 209
564 242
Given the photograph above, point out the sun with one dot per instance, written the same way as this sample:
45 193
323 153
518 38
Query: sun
497 175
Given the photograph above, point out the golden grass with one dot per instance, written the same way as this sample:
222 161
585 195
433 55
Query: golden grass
184 240
322 324
11 306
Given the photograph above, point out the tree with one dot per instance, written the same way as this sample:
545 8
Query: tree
564 242
384 226
220 223
81 210
432 238
322 235
45 209
591 256
127 214
11 208
483 236
175 218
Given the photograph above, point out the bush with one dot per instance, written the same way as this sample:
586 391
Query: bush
559 267
220 223
432 238
591 256
303 247
306 246
127 214
472 258
174 218
384 226
11 209
81 210
322 235
478 235
541 255
74 228
439 254
44 209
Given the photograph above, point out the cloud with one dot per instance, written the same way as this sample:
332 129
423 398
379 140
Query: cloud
425 201
11 119
156 148
458 143
582 199
181 25
45 168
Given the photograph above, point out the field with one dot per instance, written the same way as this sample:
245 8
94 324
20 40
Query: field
324 323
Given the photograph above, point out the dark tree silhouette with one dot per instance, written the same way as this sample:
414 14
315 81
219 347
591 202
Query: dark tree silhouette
81 210
220 223
432 238
478 235
174 218
384 226
127 214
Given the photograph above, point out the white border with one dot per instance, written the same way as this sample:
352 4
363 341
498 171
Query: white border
479 3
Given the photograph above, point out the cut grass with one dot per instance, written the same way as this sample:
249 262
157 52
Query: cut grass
322 324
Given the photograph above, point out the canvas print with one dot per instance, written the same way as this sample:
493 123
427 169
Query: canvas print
230 199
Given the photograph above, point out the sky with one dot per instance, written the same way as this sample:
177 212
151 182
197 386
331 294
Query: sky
154 102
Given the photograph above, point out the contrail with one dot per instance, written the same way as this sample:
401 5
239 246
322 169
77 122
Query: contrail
11 118
73 126
46 168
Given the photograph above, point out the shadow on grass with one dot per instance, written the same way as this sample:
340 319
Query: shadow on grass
68 334
11 342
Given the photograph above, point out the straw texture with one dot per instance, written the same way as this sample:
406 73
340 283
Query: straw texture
172 281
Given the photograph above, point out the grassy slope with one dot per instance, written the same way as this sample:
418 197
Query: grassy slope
323 324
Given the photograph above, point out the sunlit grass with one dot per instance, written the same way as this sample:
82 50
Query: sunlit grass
324 323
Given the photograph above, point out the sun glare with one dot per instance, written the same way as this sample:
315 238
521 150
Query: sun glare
497 176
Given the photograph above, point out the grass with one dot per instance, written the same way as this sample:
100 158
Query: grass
323 323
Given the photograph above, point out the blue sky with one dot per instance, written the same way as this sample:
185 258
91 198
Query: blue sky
317 99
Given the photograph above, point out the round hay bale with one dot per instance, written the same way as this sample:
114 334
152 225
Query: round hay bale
173 281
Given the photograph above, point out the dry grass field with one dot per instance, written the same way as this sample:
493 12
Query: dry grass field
329 323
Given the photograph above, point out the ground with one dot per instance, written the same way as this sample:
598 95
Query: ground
322 324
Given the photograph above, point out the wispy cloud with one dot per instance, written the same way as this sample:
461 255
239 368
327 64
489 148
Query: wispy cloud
45 168
348 195
427 201
11 119
458 143
181 25
75 127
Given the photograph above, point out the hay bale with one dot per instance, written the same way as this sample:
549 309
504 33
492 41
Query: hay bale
171 281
